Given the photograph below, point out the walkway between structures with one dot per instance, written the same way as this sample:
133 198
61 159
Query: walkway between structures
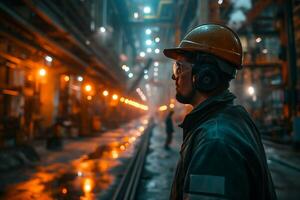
160 165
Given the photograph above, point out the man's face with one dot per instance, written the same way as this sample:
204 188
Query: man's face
182 74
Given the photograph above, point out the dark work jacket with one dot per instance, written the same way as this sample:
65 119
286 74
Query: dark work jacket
222 156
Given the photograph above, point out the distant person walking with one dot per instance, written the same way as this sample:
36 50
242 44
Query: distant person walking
169 129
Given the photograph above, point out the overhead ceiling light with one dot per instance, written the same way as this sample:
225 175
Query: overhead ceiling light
156 64
130 75
147 9
157 51
124 67
265 51
155 74
148 42
48 58
145 71
155 69
149 50
136 15
142 54
220 2
79 78
148 31
102 29
157 39
258 40
146 76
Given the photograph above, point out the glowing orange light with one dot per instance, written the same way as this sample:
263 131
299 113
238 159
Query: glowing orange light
172 105
64 191
88 88
30 78
122 147
115 97
114 154
42 72
105 93
141 128
66 78
89 98
87 185
122 99
163 108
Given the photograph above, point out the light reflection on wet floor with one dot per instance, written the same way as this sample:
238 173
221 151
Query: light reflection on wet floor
85 178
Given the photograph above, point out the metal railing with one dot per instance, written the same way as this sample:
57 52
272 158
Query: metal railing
128 186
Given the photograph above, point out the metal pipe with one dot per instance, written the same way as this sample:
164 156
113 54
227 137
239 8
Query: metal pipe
41 36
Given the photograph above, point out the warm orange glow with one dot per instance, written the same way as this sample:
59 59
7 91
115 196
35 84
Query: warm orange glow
141 128
115 97
29 78
122 99
42 72
145 122
172 105
114 154
138 134
88 88
132 139
87 185
163 108
64 191
66 78
89 97
105 93
123 148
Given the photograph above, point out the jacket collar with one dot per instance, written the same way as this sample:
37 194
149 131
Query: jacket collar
206 108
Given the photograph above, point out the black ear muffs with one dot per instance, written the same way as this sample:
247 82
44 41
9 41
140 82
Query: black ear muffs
206 77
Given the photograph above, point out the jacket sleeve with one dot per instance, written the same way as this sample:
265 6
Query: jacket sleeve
217 171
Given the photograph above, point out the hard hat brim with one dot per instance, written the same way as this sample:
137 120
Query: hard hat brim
175 53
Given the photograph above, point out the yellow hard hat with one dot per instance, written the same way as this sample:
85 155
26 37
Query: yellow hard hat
214 39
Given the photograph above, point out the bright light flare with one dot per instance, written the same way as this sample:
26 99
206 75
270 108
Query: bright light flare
157 51
148 42
163 108
80 78
88 88
48 58
67 78
171 105
115 97
141 128
258 40
251 90
102 29
142 54
157 39
114 154
148 31
147 9
105 93
136 15
42 72
87 185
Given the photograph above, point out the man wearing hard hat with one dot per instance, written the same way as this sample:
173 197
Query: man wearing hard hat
222 156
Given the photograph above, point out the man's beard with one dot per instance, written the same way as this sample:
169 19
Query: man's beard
187 99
